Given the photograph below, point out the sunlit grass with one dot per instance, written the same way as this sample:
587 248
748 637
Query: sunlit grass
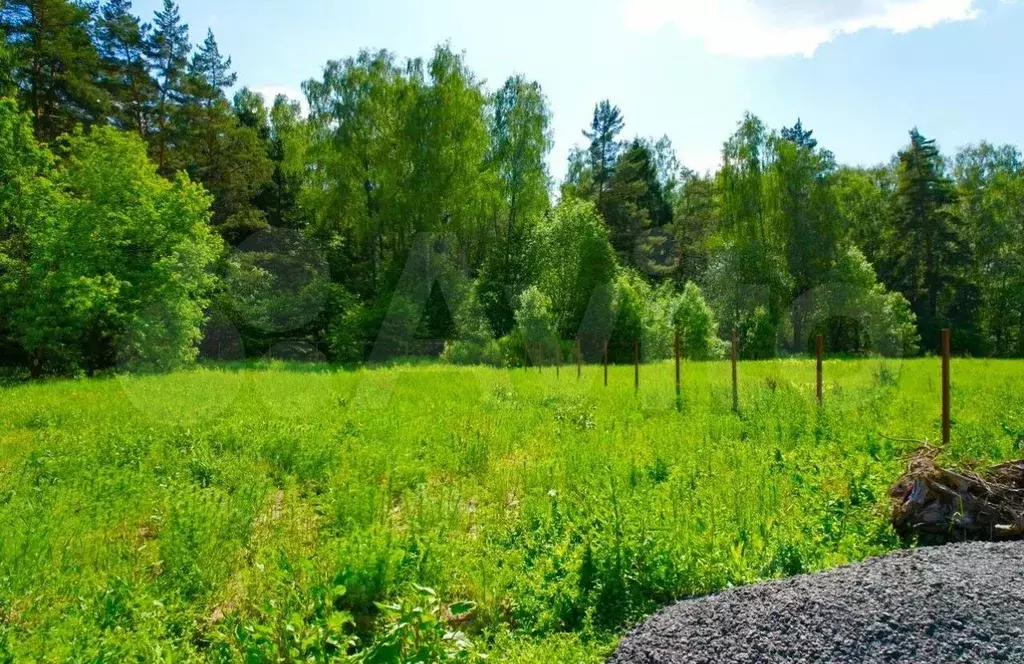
141 516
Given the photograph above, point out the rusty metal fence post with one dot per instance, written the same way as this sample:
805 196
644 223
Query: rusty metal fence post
820 352
679 387
606 364
945 386
735 377
636 365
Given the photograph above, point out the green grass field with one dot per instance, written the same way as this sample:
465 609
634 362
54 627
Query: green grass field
264 512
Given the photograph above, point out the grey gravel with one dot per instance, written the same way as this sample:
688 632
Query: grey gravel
956 603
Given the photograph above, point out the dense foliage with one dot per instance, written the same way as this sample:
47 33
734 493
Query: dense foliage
409 210
288 512
105 262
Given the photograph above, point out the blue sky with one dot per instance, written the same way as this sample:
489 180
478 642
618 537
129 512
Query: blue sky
860 73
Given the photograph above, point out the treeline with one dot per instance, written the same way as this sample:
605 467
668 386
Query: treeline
145 215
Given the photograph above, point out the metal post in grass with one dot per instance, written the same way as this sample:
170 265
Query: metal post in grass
606 364
820 352
636 365
679 387
735 384
945 386
579 358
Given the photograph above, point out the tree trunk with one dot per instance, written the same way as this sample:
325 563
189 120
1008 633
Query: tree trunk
36 368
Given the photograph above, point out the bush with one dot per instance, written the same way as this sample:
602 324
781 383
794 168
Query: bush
857 314
577 264
632 295
895 330
759 336
653 316
116 258
657 327
535 323
467 353
471 322
349 329
695 322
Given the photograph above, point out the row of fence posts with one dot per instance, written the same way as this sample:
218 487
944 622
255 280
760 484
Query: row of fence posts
819 371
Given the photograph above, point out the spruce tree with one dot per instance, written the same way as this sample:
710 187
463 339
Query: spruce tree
926 243
634 202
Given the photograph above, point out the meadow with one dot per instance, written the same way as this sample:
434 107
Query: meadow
275 512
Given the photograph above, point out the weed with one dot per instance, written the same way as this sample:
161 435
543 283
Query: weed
295 525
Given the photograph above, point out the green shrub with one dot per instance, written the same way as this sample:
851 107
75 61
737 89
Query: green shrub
632 296
111 261
535 324
695 322
759 336
469 353
577 265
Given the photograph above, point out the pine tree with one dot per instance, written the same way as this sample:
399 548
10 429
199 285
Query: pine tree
228 158
167 50
121 41
604 148
209 75
55 64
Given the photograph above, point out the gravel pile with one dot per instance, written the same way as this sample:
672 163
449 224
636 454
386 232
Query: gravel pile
957 603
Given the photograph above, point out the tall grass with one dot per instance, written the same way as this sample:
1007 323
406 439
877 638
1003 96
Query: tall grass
268 511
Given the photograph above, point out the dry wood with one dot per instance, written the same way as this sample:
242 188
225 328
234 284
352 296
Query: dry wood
938 503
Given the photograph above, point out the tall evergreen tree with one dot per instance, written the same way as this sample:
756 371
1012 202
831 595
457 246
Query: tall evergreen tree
121 41
799 136
228 158
55 63
168 48
634 202
209 74
604 145
926 242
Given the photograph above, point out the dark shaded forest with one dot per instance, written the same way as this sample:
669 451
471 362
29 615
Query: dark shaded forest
149 216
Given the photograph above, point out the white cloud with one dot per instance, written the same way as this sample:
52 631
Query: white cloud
763 28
